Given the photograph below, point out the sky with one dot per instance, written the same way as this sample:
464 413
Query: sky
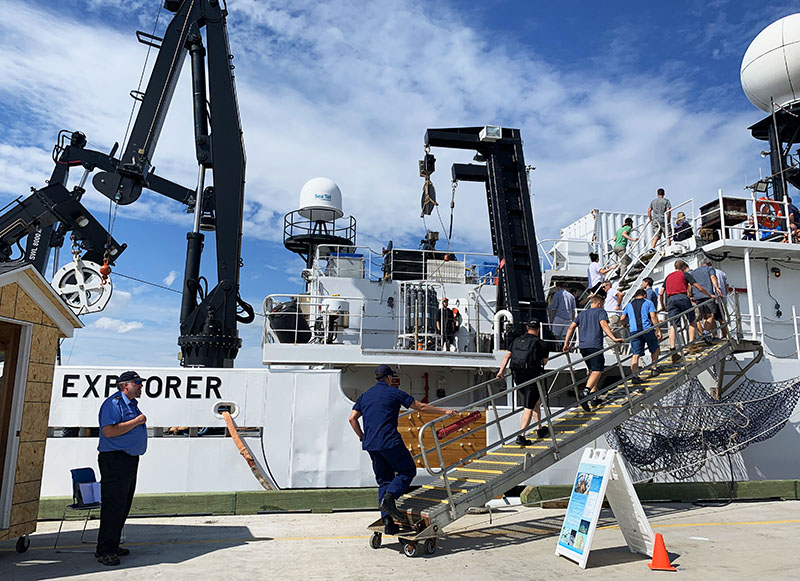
613 100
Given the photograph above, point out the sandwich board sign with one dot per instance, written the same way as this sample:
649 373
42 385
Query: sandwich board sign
602 474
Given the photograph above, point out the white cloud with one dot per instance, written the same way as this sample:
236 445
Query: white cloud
170 278
346 90
117 325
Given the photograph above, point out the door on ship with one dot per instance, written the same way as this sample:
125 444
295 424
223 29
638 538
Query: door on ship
9 349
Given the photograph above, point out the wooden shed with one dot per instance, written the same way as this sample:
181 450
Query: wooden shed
32 320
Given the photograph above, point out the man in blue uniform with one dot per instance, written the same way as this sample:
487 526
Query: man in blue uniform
123 438
391 461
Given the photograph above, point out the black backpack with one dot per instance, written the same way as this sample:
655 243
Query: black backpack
527 352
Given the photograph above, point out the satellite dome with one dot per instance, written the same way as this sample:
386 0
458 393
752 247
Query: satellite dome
321 200
771 65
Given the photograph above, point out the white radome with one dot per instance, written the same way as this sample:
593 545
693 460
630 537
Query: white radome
321 200
771 65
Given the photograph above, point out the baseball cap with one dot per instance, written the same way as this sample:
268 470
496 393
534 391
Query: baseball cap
383 371
533 323
130 376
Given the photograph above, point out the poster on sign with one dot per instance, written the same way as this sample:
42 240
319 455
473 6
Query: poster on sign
583 512
602 473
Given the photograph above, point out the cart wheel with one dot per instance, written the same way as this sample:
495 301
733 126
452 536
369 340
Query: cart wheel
430 546
375 541
23 543
410 549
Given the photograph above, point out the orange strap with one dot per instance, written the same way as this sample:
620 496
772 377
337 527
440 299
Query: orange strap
245 452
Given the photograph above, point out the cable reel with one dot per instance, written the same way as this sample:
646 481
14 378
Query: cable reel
83 286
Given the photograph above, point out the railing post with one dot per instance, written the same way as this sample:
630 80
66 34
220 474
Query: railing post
796 334
572 378
760 323
622 373
494 410
750 302
546 410
721 215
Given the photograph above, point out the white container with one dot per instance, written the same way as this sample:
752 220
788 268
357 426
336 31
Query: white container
321 200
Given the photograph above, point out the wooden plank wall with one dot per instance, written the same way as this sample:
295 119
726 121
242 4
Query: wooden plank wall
410 425
16 304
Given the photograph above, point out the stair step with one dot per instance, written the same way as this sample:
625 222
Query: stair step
501 468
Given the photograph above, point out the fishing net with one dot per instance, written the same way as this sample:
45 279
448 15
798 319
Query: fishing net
687 427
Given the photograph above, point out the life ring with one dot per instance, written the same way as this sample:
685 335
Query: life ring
769 213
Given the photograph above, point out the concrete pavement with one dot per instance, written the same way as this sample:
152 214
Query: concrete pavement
738 541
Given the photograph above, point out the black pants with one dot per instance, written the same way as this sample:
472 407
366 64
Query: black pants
117 485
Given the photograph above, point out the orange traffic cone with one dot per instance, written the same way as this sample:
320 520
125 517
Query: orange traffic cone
660 557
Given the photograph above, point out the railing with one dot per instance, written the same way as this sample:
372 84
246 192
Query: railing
748 218
303 319
325 319
779 332
405 264
544 384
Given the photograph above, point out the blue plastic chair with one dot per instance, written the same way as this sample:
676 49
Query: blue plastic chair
79 476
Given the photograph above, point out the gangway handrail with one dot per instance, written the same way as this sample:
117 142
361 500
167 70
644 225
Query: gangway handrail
731 339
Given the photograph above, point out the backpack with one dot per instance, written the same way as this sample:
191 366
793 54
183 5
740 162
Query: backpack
527 352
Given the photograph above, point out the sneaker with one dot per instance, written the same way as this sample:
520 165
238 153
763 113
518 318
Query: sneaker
585 405
389 526
543 432
389 507
655 371
636 380
110 560
676 358
597 402
708 339
522 441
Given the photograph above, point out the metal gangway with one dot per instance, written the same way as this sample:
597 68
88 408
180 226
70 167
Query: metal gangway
491 471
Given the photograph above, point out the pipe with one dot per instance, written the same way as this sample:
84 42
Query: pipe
496 325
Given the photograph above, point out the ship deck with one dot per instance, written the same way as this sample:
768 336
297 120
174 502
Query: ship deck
518 543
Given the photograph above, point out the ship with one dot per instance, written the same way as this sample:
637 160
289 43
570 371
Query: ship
363 307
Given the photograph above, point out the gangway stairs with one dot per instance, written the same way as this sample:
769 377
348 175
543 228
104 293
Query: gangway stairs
490 472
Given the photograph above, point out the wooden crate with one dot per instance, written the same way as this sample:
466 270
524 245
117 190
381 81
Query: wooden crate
410 426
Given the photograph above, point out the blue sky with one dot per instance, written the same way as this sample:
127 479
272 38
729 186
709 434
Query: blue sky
614 99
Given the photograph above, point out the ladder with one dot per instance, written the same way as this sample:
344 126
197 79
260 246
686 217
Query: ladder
640 268
491 471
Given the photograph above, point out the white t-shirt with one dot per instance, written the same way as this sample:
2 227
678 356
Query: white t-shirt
594 274
611 304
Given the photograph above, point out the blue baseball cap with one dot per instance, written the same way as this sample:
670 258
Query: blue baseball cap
383 371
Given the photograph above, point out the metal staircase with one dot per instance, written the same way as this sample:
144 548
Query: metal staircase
490 472
640 268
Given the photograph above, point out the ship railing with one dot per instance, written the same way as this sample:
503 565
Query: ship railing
780 335
445 266
309 319
546 384
326 319
745 218
565 253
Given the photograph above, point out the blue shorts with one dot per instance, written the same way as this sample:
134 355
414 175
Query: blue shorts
595 363
677 304
638 343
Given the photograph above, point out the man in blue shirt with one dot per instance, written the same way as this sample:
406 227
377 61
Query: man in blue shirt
391 461
562 311
652 294
641 316
123 438
593 323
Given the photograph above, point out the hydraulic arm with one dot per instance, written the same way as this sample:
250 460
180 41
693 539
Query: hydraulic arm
208 317
504 174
